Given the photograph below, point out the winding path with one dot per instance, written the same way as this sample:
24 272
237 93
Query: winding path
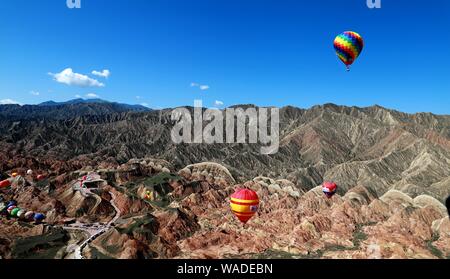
92 230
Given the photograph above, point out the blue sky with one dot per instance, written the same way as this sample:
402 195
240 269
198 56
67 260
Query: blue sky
265 52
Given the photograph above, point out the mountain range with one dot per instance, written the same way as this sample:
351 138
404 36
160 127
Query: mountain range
151 198
378 147
66 110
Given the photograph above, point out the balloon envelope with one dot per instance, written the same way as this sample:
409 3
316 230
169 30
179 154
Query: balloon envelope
29 215
329 189
39 217
29 172
5 183
348 46
11 203
14 174
244 204
21 213
15 211
11 208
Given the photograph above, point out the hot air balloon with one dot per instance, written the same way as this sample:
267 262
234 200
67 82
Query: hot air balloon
29 172
15 211
4 211
38 217
244 204
40 177
348 46
329 189
5 183
14 174
29 215
11 203
11 208
21 214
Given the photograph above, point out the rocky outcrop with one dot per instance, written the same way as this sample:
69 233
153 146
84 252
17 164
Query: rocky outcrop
424 201
188 216
134 238
357 225
87 205
211 172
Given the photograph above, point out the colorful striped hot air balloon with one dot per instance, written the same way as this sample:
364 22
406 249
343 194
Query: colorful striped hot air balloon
329 189
348 46
244 204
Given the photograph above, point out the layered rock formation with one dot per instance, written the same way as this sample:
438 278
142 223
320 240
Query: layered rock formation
377 147
391 168
191 218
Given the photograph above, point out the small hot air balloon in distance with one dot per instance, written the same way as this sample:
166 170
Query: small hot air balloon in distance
244 204
348 46
21 214
11 208
15 211
29 172
29 215
39 217
5 183
14 174
40 177
11 203
329 189
149 195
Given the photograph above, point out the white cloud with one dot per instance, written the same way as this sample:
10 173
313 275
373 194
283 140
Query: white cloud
218 103
9 102
77 96
92 96
202 87
70 78
145 105
34 93
103 74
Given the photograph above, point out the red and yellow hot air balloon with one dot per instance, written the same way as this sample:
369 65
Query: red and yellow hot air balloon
348 46
244 204
329 189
